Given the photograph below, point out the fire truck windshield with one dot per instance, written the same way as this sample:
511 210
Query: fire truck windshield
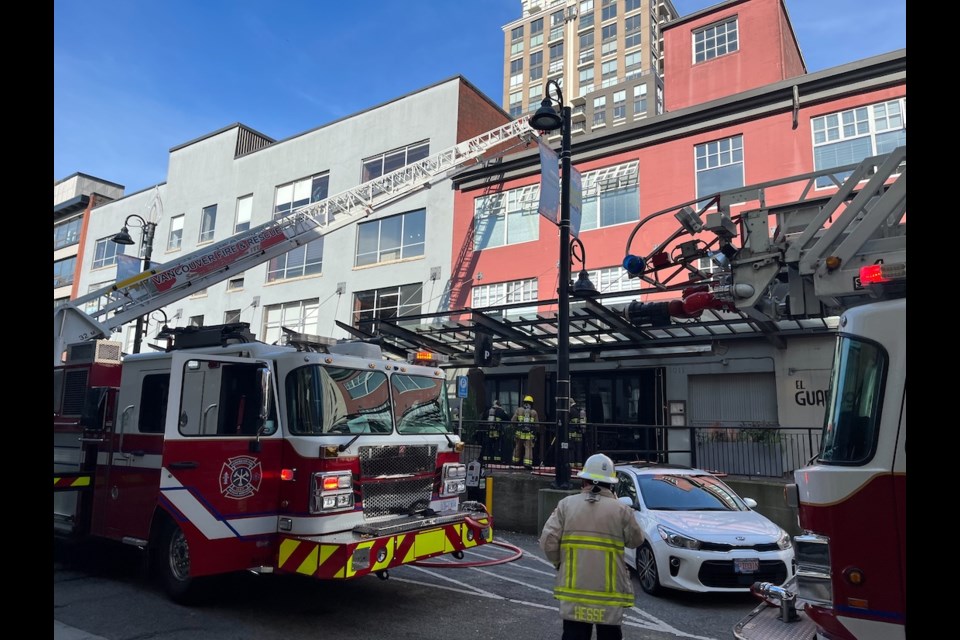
325 400
853 402
420 404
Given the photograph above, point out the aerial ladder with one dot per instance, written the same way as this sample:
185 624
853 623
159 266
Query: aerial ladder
794 260
97 314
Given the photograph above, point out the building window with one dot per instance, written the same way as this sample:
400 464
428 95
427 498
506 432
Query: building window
631 29
586 48
536 33
386 303
63 271
715 40
244 211
516 104
608 10
608 72
105 253
535 95
235 284
659 99
94 306
610 279
490 295
619 105
586 81
506 218
516 40
599 111
306 260
516 72
609 39
632 5
175 239
586 14
556 57
719 166
66 233
208 222
231 316
195 321
633 65
302 316
640 101
610 196
536 65
847 137
392 238
376 166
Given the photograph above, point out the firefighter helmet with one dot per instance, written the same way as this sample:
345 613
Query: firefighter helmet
599 468
528 398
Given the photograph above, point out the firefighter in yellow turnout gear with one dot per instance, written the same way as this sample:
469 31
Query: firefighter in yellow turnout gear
584 538
525 416
496 416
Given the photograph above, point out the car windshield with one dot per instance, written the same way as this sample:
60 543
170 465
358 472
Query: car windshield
675 492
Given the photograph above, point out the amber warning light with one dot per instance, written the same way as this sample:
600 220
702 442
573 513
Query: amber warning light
426 357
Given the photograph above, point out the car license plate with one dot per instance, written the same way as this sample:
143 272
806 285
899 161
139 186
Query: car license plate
746 565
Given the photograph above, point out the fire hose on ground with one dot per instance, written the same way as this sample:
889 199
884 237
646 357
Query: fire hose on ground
477 527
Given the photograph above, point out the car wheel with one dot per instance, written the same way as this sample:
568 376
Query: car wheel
173 563
647 570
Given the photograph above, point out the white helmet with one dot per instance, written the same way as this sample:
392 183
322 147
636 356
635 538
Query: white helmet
599 468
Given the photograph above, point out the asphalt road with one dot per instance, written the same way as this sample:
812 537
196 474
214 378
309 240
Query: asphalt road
495 592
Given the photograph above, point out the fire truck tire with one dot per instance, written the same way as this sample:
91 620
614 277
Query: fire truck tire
647 570
173 563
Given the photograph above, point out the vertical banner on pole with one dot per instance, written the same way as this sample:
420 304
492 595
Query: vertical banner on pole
127 266
549 183
576 202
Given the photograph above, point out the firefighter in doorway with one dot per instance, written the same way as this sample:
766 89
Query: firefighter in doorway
525 416
577 433
490 447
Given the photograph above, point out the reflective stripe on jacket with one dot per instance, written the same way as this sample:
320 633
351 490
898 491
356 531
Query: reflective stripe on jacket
585 537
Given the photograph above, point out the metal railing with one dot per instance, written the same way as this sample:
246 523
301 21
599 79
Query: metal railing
768 452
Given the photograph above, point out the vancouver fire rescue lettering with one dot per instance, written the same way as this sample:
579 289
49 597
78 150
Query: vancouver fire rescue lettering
219 257
240 477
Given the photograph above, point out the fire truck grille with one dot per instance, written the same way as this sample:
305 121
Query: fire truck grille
397 479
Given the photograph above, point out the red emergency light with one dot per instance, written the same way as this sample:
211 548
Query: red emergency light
881 273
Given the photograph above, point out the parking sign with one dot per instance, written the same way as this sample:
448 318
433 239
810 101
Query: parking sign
461 386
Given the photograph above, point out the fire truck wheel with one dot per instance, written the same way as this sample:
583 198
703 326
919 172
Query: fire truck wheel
173 562
647 570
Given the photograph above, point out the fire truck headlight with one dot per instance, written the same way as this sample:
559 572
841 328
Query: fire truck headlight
785 542
329 502
332 492
454 487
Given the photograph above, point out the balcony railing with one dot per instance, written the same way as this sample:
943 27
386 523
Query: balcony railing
768 452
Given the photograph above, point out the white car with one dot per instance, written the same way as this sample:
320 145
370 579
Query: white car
700 535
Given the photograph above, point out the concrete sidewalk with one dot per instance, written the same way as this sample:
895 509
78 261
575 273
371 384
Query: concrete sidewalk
65 632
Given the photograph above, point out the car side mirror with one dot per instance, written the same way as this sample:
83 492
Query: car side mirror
750 502
627 500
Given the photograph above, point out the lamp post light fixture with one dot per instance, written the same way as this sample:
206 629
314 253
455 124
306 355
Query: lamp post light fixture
147 230
547 119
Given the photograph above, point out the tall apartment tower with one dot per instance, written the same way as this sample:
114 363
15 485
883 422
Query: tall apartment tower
606 55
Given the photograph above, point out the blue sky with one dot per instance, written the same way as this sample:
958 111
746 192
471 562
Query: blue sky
133 78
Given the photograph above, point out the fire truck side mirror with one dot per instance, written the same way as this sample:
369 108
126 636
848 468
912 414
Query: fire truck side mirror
91 416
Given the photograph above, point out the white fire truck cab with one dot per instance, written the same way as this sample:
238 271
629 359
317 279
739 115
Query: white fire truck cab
225 454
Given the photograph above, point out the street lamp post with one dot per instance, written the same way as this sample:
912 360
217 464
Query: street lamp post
147 230
546 119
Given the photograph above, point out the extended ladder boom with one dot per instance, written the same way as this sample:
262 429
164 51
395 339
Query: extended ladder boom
98 313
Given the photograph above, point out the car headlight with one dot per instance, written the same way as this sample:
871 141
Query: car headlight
675 539
785 541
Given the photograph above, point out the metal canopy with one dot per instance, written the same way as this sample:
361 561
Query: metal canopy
598 332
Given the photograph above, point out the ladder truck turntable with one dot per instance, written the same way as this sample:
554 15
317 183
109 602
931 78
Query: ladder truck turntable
222 454
840 254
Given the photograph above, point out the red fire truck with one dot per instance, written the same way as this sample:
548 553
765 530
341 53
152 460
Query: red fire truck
221 453
840 255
